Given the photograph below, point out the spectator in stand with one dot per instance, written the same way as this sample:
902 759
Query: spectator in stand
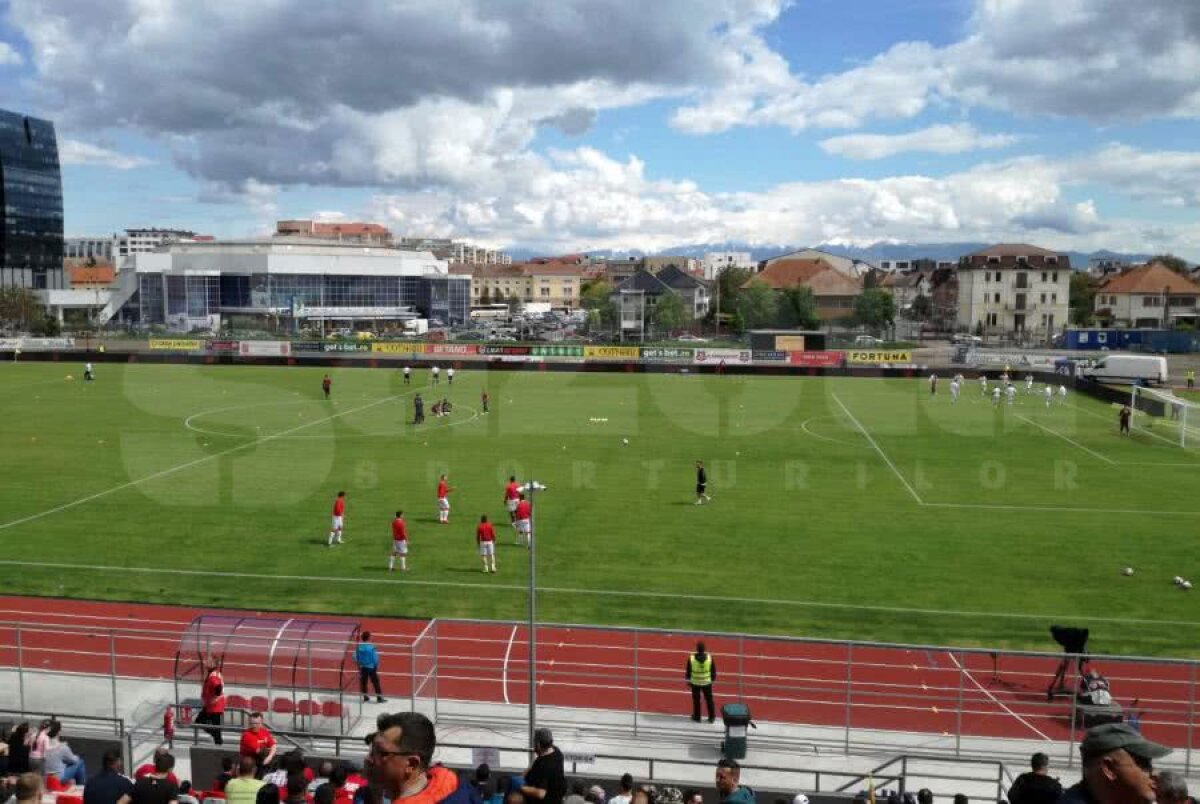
961 798
545 781
481 781
398 762
212 697
38 742
799 798
1171 788
1036 786
243 788
297 789
576 795
596 794
228 771
156 788
185 793
669 795
324 771
641 796
729 786
267 794
29 789
148 768
693 797
625 793
292 764
514 797
1118 767
109 786
924 796
18 750
258 742
61 761
323 795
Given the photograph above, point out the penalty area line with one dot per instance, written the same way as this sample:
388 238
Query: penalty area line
1069 440
523 588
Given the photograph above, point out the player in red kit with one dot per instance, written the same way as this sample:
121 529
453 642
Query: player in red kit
511 495
443 500
485 538
399 543
326 385
523 514
339 511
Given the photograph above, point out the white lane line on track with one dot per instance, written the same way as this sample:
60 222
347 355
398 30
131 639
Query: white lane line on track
507 652
522 588
190 464
1068 439
998 702
882 454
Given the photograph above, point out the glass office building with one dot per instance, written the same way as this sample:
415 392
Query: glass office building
292 285
31 238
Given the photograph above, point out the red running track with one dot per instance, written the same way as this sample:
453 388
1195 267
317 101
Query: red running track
890 688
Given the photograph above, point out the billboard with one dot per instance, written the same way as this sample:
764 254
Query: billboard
770 356
659 354
221 346
492 349
713 357
265 348
393 348
611 352
816 359
451 349
558 351
343 346
790 343
176 344
877 356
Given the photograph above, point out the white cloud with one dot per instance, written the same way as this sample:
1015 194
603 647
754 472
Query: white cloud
939 139
9 55
76 152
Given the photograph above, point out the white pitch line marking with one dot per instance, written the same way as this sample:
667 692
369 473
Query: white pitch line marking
522 588
999 703
1068 439
504 671
882 454
189 465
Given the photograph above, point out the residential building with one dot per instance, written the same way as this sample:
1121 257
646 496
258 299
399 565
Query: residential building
906 287
553 283
691 290
144 241
714 262
456 251
833 290
31 231
297 282
372 234
1102 266
636 298
99 249
689 265
617 270
919 264
1013 288
847 266
1147 296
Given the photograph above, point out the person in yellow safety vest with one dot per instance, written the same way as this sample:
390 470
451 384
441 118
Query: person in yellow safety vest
701 672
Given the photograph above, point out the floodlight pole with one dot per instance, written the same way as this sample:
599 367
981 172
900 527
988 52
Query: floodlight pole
531 485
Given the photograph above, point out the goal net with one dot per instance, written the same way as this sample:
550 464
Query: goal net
1162 415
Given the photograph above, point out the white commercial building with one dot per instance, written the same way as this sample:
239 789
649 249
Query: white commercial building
714 262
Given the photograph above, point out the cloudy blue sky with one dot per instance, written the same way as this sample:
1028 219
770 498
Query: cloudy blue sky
561 125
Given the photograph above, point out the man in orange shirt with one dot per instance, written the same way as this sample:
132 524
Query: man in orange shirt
258 742
485 538
523 515
212 696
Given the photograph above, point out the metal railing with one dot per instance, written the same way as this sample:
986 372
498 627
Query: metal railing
832 695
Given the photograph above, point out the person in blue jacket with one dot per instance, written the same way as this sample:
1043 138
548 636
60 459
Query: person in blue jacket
367 659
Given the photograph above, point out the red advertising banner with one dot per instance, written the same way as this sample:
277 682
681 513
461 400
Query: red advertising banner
817 359
451 348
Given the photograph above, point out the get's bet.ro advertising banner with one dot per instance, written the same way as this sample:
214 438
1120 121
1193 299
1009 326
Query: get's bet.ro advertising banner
876 356
612 352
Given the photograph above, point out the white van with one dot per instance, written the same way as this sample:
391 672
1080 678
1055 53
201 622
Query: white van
1126 369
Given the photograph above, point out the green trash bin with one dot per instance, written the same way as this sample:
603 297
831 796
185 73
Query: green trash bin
736 717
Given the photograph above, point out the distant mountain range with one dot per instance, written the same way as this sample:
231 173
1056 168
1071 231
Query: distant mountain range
872 254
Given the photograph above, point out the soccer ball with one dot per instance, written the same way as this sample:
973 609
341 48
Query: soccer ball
1177 581
1127 571
625 441
1186 584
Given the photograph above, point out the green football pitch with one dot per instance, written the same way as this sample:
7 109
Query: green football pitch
848 508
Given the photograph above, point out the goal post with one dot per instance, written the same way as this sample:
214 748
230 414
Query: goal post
1163 415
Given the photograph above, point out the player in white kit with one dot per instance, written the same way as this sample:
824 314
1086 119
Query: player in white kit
953 391
983 384
1029 383
1049 394
1010 391
996 395
1062 394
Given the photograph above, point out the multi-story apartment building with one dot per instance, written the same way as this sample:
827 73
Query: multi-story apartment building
552 283
456 251
1147 296
370 234
1013 288
714 262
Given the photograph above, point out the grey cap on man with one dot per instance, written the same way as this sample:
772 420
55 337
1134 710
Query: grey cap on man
1105 739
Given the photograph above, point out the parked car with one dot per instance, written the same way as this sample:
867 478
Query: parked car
963 337
692 338
868 340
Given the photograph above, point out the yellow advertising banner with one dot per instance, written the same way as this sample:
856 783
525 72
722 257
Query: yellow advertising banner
789 343
397 348
878 356
176 344
612 352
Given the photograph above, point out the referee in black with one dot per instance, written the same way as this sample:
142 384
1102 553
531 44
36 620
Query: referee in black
701 484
